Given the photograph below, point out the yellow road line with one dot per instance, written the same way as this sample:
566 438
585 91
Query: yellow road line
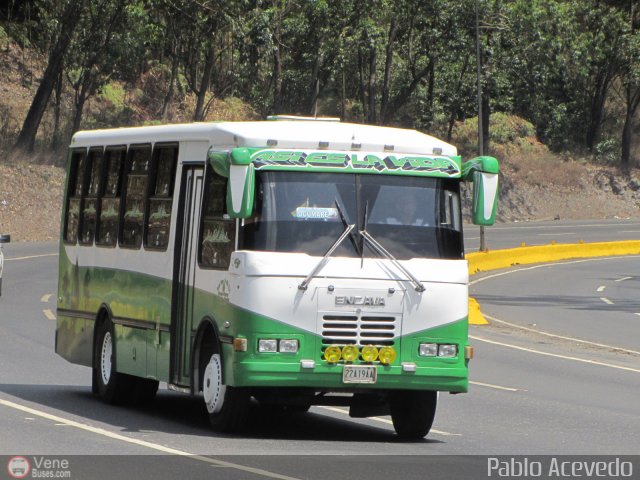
49 314
387 421
45 298
555 355
142 443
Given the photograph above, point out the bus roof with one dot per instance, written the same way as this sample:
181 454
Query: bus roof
310 134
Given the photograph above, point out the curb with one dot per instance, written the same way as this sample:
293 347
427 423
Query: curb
498 259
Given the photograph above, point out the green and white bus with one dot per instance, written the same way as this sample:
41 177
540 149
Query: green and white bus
287 263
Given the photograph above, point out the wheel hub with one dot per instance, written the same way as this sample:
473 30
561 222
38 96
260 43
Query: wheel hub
213 389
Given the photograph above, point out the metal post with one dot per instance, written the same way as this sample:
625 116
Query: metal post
483 246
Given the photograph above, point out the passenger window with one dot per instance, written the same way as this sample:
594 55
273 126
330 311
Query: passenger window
135 203
74 194
165 159
90 205
218 231
109 204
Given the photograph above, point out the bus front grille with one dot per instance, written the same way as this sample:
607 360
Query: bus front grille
359 330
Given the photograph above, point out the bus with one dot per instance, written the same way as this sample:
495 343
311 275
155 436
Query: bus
280 264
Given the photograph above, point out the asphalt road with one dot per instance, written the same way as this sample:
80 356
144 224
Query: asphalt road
512 235
532 394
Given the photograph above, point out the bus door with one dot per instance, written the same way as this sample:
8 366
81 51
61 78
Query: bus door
185 269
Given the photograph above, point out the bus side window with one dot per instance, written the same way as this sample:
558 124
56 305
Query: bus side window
74 196
89 213
217 230
109 203
165 159
135 201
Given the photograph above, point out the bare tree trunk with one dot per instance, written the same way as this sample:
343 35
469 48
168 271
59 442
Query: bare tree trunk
315 85
68 22
363 87
384 101
633 99
56 117
204 84
168 98
372 85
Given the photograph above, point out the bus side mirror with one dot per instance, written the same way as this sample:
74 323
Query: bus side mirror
240 191
485 198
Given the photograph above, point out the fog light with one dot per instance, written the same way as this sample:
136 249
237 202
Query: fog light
350 353
428 350
447 351
369 353
267 345
387 355
288 346
332 354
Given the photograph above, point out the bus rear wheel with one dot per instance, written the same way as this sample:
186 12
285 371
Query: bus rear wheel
412 412
227 406
111 386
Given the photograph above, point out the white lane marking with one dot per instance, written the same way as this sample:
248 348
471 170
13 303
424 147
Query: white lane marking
562 337
637 314
30 257
629 231
555 355
387 421
142 443
555 234
606 300
49 314
601 289
498 387
548 265
45 298
623 279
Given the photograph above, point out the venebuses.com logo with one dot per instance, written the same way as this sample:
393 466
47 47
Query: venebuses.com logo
18 467
38 467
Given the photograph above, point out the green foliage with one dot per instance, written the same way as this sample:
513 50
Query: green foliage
570 67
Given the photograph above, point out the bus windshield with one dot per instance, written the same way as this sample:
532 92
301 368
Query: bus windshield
412 217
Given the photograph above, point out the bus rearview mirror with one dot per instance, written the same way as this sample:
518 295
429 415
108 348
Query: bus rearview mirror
240 191
485 198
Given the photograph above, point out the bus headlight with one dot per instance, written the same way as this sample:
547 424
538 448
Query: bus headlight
369 353
387 355
448 351
267 345
332 354
288 346
350 353
428 350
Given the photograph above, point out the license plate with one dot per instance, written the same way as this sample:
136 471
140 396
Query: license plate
359 374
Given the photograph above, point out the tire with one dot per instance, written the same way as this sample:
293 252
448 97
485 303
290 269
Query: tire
227 406
412 413
112 387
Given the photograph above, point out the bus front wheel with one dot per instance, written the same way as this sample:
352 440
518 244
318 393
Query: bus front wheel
412 412
227 406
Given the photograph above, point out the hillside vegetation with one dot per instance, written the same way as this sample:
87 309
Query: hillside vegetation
560 85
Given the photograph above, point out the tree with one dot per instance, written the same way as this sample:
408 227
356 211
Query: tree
67 21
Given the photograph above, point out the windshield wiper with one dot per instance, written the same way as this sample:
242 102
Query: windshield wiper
323 261
345 223
385 253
